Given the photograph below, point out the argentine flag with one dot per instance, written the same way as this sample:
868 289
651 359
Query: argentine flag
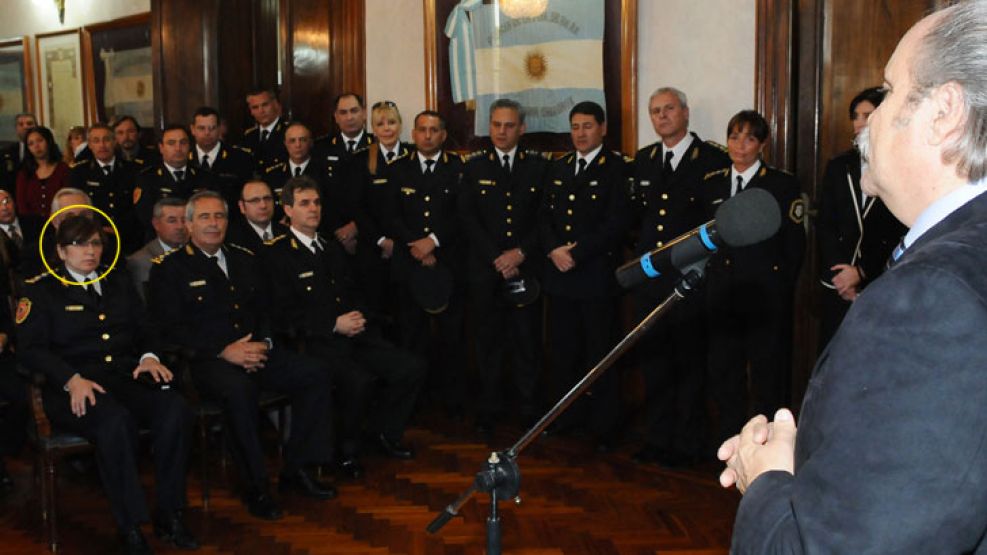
547 63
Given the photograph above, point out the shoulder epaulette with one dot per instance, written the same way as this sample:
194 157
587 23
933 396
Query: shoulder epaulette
244 249
715 173
400 156
76 163
476 154
251 130
270 242
37 278
715 144
148 169
362 149
138 161
160 258
548 155
269 169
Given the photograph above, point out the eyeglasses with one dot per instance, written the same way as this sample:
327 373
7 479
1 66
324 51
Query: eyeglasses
254 200
94 243
6 201
387 103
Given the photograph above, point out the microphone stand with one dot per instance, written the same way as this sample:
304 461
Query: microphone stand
501 476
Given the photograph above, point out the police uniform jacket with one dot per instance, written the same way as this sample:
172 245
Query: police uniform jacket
773 264
592 210
269 152
373 192
10 164
669 205
500 209
112 193
145 156
230 170
844 217
156 183
62 330
426 204
339 190
240 232
199 308
334 206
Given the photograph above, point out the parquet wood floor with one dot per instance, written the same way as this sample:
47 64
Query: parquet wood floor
574 501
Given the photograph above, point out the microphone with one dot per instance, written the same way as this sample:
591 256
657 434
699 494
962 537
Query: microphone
747 218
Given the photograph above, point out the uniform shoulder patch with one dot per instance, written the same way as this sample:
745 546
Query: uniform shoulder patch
23 310
715 173
270 242
137 194
238 247
716 145
796 212
274 167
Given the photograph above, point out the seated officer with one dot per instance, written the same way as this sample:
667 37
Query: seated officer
170 233
229 166
316 295
257 224
127 133
208 298
96 348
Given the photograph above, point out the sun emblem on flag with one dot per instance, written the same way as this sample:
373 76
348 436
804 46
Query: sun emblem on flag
141 89
536 65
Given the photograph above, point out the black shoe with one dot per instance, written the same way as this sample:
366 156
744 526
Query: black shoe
300 482
350 468
262 505
134 542
394 449
172 528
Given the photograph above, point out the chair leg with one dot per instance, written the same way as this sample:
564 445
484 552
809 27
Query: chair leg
49 500
204 457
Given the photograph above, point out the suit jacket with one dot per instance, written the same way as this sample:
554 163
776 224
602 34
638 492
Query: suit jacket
139 265
667 206
890 456
499 211
333 205
372 194
844 218
229 171
337 187
591 209
267 153
199 308
156 183
112 194
240 233
62 330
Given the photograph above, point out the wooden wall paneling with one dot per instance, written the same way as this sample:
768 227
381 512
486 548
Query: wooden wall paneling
184 42
628 76
348 44
307 75
774 77
236 56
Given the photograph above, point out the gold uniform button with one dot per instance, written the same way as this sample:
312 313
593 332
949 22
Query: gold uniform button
727 261
426 230
102 317
111 194
508 194
427 198
661 212
664 196
308 287
509 234
232 288
660 243
593 197
508 220
236 326
568 227
569 211
338 300
105 336
775 268
509 208
199 298
236 306
108 358
661 227
111 205
572 197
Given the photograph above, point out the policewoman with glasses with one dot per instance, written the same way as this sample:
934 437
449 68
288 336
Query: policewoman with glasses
88 334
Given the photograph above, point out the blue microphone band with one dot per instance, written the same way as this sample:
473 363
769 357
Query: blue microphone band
706 239
648 267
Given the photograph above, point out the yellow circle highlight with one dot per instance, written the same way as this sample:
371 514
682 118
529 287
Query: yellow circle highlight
41 243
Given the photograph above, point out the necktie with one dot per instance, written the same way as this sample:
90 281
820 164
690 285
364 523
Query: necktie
896 253
267 235
179 175
298 171
263 135
15 236
428 166
350 146
390 156
215 260
107 170
667 166
582 166
205 162
93 294
740 185
316 246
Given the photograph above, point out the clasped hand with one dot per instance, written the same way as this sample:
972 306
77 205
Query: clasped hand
760 447
250 355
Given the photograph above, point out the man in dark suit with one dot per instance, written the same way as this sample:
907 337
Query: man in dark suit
426 240
668 181
256 224
109 182
173 177
210 299
20 235
584 215
229 166
316 297
127 133
499 205
168 221
889 453
265 140
750 290
14 155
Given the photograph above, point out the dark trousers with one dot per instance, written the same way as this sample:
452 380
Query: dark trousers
443 350
750 330
112 425
305 380
13 418
673 363
581 334
361 367
503 329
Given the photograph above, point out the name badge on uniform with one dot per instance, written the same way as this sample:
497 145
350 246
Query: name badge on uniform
408 190
594 183
74 308
380 181
304 275
332 158
197 283
165 190
486 182
644 183
557 182
717 201
93 183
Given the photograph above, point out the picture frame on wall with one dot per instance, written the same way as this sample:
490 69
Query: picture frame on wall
15 85
118 67
61 94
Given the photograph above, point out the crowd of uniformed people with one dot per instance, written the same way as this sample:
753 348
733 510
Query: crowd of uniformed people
352 273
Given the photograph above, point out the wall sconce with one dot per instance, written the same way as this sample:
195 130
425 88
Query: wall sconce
60 6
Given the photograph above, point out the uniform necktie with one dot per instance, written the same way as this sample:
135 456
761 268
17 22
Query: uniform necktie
507 163
582 166
179 175
316 247
390 156
263 135
205 161
667 166
93 294
428 166
215 260
740 185
267 235
107 170
298 171
15 236
350 146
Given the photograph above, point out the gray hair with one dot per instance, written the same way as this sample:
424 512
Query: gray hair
510 105
159 206
56 200
190 205
683 99
955 50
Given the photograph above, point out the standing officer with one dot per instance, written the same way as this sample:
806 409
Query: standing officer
127 132
750 289
257 224
668 178
210 298
229 166
173 177
427 255
298 144
265 140
585 213
109 182
14 155
499 205
93 342
316 296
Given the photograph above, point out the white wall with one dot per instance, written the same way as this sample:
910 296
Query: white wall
396 56
704 48
31 17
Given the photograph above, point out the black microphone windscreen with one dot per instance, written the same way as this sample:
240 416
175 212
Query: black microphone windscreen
748 217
